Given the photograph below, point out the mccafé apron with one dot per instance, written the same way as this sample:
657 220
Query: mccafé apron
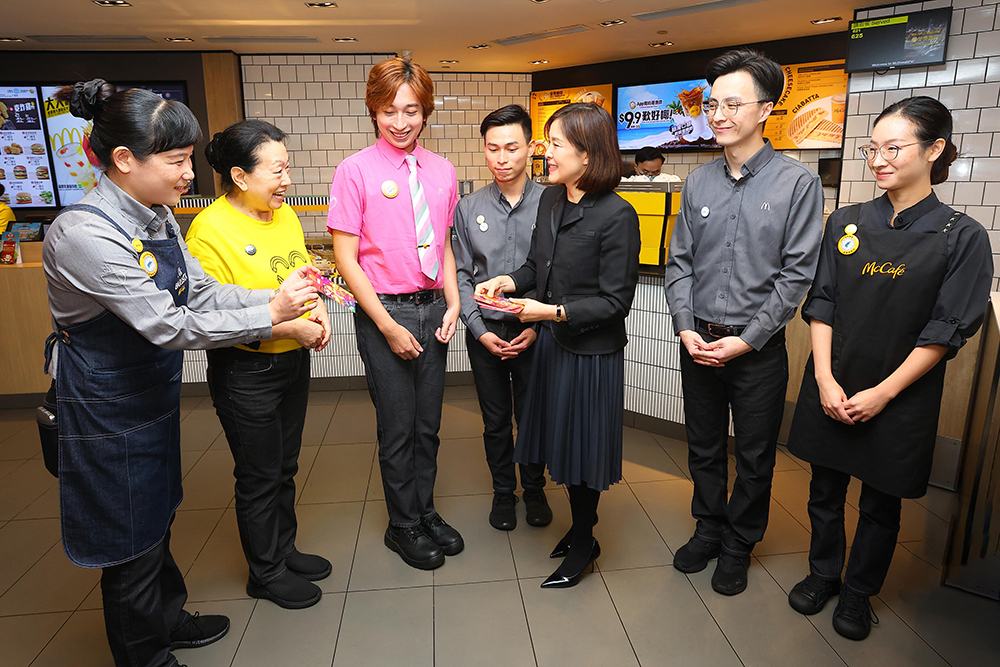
885 293
118 398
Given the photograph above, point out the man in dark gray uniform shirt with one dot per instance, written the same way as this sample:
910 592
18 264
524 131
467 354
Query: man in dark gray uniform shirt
491 237
742 257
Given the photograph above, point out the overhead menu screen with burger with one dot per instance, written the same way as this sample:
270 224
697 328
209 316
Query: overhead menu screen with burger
665 115
24 160
907 40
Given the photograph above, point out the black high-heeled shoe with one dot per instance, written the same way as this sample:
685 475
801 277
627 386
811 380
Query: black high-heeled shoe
557 580
562 547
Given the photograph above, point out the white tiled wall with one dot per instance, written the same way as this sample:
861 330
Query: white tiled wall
968 84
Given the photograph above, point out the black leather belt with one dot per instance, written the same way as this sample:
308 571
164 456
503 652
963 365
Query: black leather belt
718 330
423 296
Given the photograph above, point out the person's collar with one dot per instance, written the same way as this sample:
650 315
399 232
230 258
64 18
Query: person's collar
397 156
498 194
150 219
903 219
755 162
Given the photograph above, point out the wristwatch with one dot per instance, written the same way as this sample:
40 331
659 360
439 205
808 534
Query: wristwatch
559 314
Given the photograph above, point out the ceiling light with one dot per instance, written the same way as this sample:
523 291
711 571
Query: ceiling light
112 3
178 39
344 40
694 8
479 46
448 62
829 20
538 62
662 32
544 34
11 39
608 24
321 5
538 2
657 45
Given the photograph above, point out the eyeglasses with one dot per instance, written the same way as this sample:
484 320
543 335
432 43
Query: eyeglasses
729 107
889 152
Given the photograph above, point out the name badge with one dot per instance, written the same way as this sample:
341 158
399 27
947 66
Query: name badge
849 243
390 189
148 263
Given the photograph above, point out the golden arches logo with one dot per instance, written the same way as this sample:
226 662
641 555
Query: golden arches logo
66 136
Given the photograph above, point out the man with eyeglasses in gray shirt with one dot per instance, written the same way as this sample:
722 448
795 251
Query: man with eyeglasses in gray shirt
491 237
742 257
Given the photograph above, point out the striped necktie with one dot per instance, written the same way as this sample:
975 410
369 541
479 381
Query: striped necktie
422 218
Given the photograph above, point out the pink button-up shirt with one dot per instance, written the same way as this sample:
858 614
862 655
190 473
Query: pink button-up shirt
370 198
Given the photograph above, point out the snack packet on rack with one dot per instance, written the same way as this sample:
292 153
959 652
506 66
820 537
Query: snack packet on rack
332 290
501 303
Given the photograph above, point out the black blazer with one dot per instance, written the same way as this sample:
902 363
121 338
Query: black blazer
589 263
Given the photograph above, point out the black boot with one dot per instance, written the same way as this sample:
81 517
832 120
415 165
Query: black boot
414 547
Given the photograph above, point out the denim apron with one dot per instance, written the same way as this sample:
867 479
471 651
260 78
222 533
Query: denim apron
118 398
885 295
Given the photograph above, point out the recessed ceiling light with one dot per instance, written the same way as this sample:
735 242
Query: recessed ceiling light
448 62
608 24
344 40
832 19
479 46
538 62
321 5
112 3
11 39
538 2
178 39
662 32
657 45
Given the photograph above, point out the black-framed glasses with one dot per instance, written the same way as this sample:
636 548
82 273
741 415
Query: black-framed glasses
889 152
729 107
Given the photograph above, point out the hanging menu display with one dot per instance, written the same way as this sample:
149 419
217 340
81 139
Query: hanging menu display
544 103
665 115
77 171
812 107
24 160
908 40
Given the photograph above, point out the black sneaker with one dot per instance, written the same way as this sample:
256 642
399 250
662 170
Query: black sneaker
414 547
853 616
197 630
730 576
443 535
809 596
308 566
289 591
694 556
538 512
503 516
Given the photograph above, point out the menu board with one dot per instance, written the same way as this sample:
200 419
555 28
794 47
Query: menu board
664 115
77 170
544 103
918 38
24 159
812 107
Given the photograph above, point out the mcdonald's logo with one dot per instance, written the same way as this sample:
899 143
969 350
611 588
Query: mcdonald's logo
66 136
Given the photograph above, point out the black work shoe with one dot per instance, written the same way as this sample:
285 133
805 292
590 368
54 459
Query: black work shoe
503 516
853 616
289 591
694 556
730 575
197 630
414 547
538 512
308 566
443 535
809 596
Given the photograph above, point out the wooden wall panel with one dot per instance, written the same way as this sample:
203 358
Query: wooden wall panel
223 95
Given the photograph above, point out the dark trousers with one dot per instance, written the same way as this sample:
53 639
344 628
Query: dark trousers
753 387
261 401
501 386
407 395
143 601
874 540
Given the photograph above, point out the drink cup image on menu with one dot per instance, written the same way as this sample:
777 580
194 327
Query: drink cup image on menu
73 160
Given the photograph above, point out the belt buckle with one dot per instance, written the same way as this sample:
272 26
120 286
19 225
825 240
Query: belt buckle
719 330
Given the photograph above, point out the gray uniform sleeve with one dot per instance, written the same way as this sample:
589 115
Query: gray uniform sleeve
679 273
461 246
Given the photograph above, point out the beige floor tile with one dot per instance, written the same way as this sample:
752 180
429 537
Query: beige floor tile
390 627
220 443
21 442
23 637
462 468
318 418
677 450
469 618
668 505
325 397
785 461
200 427
375 489
918 523
220 570
46 507
304 637
759 621
644 460
487 555
330 530
339 474
209 484
52 584
783 535
377 567
220 653
941 502
190 458
353 421
23 486
81 642
531 545
7 467
307 457
23 415
461 419
189 403
892 642
575 626
22 544
666 621
460 392
628 538
791 490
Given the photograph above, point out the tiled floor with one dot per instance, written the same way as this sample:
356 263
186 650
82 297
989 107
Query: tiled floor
484 606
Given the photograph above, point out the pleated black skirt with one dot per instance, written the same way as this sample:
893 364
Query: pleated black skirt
573 415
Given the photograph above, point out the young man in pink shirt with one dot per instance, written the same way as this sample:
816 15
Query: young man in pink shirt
391 208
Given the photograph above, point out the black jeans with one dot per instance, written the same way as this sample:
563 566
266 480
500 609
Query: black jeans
407 395
874 540
501 386
261 401
753 387
143 601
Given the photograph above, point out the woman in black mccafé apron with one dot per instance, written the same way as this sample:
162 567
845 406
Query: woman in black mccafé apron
902 283
126 298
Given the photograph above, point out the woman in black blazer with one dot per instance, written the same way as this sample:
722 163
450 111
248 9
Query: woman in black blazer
583 265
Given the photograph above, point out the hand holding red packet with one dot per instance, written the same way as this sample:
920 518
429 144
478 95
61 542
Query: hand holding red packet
332 290
498 303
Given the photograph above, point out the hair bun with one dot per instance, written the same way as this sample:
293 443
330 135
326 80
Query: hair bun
86 99
212 151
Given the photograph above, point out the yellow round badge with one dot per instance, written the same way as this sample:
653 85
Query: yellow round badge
848 244
390 189
137 244
148 263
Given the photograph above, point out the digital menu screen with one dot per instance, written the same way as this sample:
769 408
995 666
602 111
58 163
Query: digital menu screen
77 171
812 107
908 40
665 115
24 158
544 103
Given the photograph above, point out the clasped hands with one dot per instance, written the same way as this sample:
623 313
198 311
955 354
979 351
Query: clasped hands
716 353
861 407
